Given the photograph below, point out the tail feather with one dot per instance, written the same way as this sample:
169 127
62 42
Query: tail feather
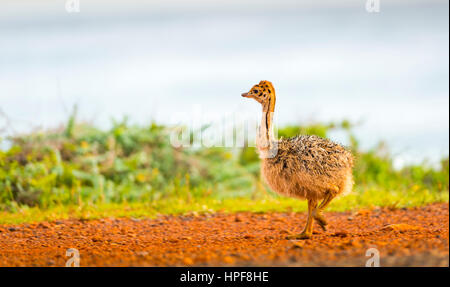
347 187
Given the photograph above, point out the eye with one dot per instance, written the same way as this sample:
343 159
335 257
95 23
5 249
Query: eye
255 91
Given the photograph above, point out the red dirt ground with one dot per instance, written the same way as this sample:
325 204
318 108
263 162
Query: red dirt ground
418 238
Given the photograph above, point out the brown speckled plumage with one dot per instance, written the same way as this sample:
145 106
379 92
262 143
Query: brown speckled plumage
312 154
308 167
304 166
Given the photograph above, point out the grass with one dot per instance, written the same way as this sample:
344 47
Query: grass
174 206
131 171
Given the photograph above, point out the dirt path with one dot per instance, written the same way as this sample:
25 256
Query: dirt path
238 239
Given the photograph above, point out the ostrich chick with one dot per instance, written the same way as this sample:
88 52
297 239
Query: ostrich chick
306 167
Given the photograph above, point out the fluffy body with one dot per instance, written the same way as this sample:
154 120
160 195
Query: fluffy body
309 167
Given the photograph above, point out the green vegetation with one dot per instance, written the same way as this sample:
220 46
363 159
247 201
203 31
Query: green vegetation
84 172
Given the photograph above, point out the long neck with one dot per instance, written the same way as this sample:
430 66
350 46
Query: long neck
265 137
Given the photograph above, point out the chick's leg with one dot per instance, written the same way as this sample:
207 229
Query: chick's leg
317 212
307 232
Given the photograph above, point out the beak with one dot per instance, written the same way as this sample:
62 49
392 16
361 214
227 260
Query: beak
245 95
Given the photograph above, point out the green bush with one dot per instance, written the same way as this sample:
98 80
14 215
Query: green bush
84 165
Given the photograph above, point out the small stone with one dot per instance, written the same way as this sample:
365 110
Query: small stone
188 261
401 227
297 244
362 212
228 259
340 234
44 225
142 253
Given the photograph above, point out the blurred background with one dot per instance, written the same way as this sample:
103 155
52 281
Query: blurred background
328 60
89 99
